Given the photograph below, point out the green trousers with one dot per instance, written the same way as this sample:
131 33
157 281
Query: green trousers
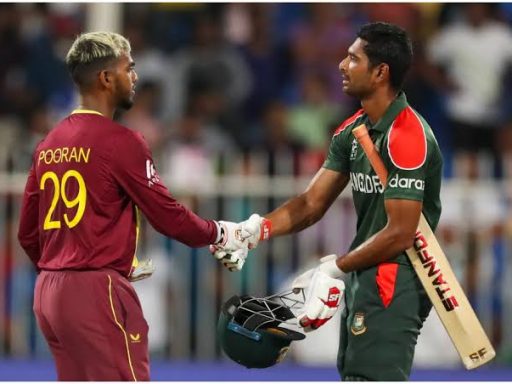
386 308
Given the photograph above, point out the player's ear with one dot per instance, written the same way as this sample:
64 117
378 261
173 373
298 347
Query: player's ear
106 79
382 72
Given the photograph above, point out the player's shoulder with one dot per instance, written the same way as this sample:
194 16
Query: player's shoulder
409 140
349 123
125 135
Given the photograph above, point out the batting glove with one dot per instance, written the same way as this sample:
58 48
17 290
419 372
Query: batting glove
325 293
258 227
143 270
232 247
233 260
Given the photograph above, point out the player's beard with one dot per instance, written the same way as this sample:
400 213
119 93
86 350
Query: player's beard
359 86
125 101
125 95
359 93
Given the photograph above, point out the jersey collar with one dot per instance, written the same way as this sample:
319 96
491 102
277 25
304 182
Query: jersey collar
397 106
86 111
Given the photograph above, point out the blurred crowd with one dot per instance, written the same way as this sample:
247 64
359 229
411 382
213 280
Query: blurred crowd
262 77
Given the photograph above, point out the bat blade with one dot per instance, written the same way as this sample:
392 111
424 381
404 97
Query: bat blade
448 298
438 280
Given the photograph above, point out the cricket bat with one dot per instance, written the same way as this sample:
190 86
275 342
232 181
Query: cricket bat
438 279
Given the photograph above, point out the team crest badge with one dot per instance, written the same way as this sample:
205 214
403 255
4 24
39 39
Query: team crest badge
358 326
353 150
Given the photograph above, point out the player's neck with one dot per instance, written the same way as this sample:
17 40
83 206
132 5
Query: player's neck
376 105
97 104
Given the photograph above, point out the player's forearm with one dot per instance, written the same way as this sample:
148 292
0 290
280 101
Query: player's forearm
185 226
383 246
294 215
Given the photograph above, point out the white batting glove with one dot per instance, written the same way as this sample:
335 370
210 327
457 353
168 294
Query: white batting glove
324 293
143 270
258 227
234 260
232 236
232 249
232 245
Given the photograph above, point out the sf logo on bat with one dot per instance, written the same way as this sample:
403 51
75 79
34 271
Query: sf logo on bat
476 356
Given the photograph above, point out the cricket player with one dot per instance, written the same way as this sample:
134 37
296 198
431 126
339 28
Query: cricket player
386 304
89 178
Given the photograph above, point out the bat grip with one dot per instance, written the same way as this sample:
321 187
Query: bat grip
364 140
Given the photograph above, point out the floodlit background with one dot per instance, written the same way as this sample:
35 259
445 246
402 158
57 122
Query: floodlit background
238 103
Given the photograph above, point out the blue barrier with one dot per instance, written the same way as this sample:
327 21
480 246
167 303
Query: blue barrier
43 370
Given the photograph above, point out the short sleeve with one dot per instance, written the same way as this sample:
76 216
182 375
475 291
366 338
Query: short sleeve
338 156
405 184
405 154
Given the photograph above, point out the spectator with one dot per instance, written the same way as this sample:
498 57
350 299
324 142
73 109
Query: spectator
155 67
264 60
143 117
39 122
211 65
312 117
471 56
318 42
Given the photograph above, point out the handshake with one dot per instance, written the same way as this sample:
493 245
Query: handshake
236 239
324 290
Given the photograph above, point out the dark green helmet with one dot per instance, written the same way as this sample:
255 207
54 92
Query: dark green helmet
249 331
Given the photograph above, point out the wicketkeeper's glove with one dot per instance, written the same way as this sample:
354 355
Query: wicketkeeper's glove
232 246
143 270
324 293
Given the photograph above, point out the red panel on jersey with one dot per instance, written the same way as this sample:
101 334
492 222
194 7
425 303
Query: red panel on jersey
407 144
386 279
347 122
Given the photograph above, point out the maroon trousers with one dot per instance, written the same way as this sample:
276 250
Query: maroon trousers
93 323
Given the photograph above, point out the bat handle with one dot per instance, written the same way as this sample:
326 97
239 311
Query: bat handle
364 140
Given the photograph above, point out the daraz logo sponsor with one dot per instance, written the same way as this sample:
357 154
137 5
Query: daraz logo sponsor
399 182
371 184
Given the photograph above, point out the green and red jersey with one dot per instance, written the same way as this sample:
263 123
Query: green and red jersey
411 155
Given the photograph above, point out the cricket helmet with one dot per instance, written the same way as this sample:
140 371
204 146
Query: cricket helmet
249 329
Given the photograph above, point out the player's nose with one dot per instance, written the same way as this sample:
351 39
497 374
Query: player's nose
341 66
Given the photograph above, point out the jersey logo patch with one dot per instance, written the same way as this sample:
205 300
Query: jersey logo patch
135 338
358 325
407 142
151 174
347 122
353 150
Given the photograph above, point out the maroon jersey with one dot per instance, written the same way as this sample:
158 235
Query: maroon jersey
87 179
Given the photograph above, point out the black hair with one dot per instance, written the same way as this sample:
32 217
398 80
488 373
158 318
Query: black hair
388 43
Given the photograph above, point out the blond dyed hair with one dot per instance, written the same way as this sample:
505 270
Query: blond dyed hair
92 52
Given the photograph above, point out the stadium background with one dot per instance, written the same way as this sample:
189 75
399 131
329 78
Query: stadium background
238 102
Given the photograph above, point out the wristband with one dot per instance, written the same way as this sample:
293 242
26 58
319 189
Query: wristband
266 229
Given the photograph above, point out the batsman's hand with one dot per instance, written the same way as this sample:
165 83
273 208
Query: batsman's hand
258 227
324 293
238 238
